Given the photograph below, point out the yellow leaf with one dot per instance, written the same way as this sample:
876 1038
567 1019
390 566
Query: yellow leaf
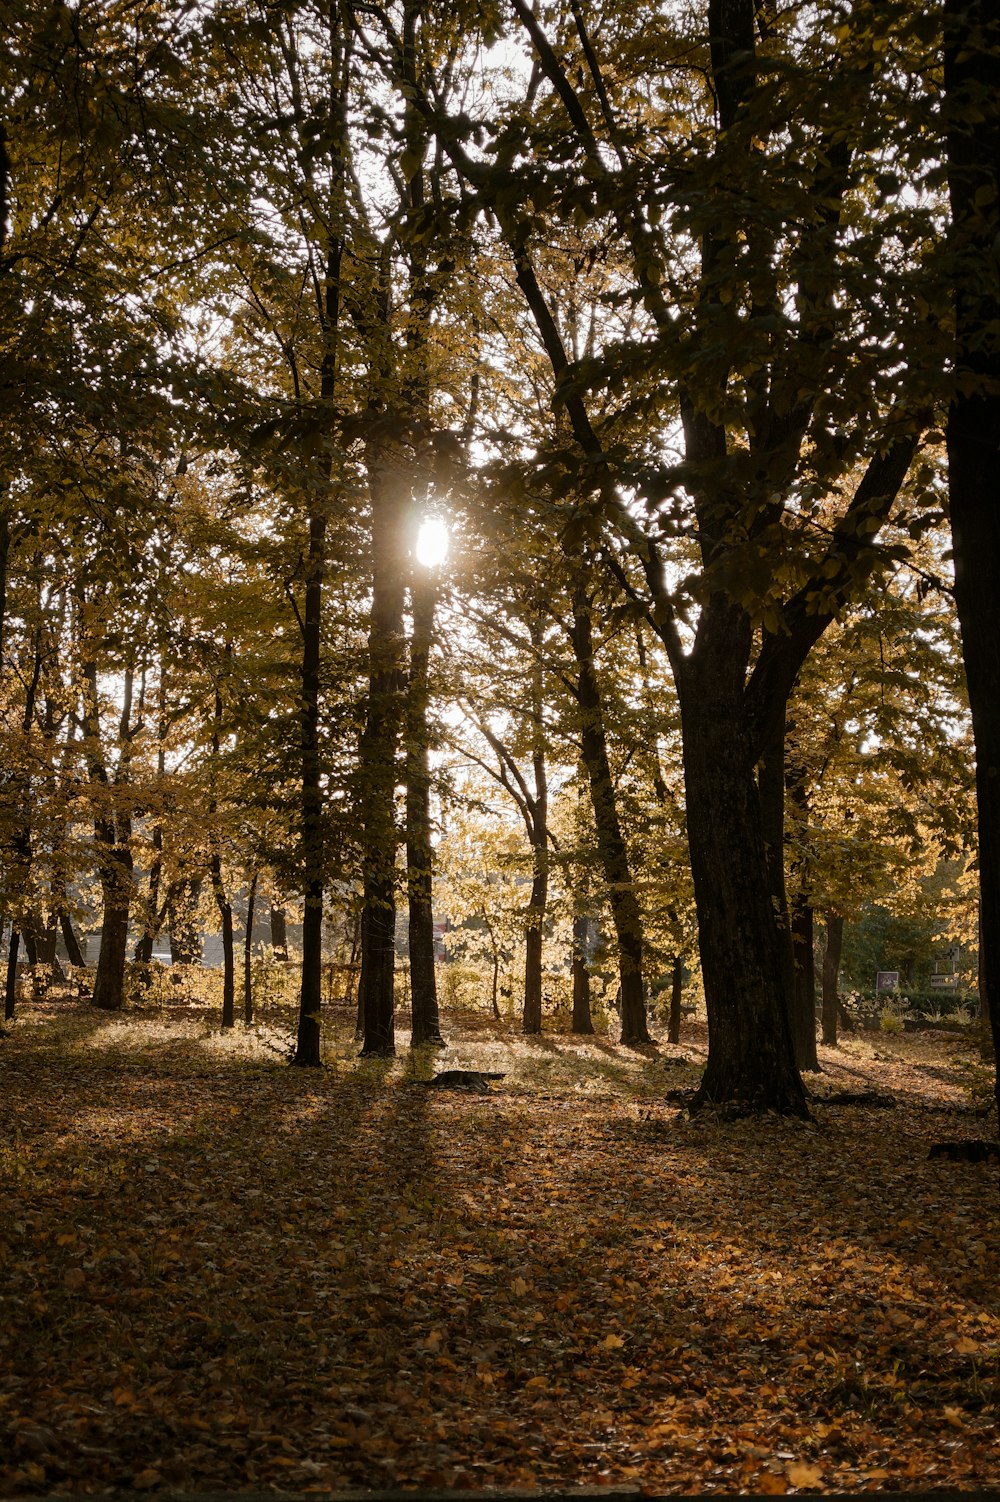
612 1343
771 1484
519 1287
538 1383
433 1341
966 1346
801 1473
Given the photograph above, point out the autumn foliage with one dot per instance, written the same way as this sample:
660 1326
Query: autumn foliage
220 1273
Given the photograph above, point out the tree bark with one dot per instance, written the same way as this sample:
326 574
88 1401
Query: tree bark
312 841
10 990
676 992
972 92
279 934
73 949
248 952
425 1025
112 837
535 915
751 1063
582 1023
389 491
831 976
805 984
625 912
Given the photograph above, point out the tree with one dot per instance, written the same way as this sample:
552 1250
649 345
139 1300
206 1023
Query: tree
754 349
972 90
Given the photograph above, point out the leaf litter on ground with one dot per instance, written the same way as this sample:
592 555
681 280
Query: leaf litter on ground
217 1272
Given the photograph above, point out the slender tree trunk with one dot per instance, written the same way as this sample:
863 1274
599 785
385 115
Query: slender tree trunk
116 886
222 901
751 1062
831 976
426 1027
73 950
625 912
972 104
10 992
248 952
805 983
676 992
143 954
312 842
225 907
390 496
535 915
583 1022
532 1017
279 934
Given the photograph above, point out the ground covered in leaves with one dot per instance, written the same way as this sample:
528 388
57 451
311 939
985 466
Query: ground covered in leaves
217 1272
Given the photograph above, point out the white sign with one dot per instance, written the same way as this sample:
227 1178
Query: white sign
886 980
944 980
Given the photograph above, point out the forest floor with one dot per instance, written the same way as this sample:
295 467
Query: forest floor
217 1272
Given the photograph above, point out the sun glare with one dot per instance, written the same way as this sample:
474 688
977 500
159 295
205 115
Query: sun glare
432 542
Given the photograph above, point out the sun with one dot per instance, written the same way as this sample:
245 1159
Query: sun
432 542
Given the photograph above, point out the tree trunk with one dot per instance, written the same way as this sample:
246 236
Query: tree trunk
987 1050
312 842
389 491
248 952
279 934
225 907
772 782
831 976
73 949
972 90
116 883
10 991
625 912
532 1016
425 1027
805 984
676 991
582 1021
751 1063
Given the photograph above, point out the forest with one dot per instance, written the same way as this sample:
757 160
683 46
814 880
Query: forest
499 540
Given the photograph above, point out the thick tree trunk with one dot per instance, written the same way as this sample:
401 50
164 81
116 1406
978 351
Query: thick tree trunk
972 88
582 1020
425 1026
625 913
751 1063
772 782
831 976
116 884
987 1049
388 485
676 992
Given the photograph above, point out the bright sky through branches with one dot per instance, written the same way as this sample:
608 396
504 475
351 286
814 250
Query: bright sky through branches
432 542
